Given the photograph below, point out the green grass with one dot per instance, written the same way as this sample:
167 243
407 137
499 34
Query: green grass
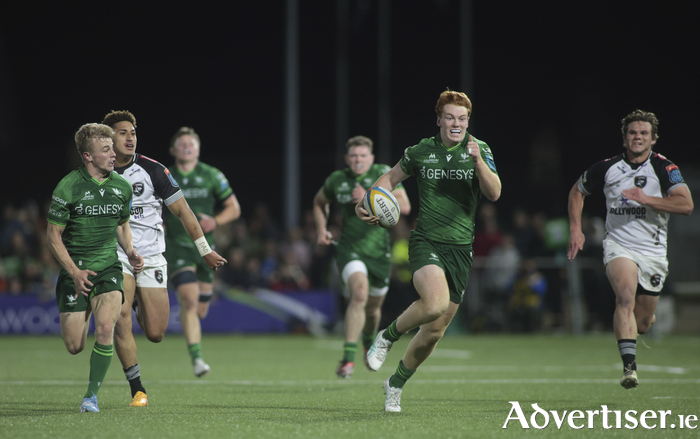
285 387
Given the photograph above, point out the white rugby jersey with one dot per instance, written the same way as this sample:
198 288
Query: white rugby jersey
152 185
636 227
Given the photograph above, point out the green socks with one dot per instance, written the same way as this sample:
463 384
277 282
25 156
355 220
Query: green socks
349 350
391 333
195 351
368 339
99 364
399 378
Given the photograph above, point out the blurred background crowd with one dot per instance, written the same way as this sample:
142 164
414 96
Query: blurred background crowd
518 282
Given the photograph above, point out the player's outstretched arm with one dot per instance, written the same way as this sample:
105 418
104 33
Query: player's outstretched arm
182 210
58 248
321 209
576 236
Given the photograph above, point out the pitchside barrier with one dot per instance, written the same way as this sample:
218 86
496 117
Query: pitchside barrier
263 311
315 312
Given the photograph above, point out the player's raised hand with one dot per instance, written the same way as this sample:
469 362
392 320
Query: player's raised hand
473 149
357 193
82 284
214 260
136 260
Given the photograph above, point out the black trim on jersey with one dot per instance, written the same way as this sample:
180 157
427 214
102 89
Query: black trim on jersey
594 178
162 182
661 164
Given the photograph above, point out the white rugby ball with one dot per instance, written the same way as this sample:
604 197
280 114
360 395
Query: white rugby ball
380 202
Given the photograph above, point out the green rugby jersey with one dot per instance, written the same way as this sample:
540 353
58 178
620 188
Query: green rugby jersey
355 235
90 212
448 188
203 186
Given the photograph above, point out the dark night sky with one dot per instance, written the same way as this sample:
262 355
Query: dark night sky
557 74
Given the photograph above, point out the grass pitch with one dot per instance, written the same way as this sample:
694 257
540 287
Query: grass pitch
285 387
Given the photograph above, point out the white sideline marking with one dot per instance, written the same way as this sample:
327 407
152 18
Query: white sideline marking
353 381
510 368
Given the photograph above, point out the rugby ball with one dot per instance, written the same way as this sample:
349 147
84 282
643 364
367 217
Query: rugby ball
380 202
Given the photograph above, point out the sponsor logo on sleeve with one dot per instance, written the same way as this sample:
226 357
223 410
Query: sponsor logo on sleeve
59 200
674 174
490 163
172 180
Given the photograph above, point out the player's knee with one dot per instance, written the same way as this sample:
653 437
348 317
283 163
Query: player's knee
188 303
104 330
154 337
359 298
435 310
74 348
643 325
625 302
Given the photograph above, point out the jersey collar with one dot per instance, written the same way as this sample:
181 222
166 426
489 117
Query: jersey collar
636 165
438 142
86 175
121 169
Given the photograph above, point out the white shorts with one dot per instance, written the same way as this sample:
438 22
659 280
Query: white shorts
652 270
154 274
356 266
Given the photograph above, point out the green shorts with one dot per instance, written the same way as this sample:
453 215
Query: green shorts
109 279
378 269
181 255
455 261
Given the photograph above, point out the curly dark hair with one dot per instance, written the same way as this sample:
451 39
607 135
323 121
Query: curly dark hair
114 117
641 116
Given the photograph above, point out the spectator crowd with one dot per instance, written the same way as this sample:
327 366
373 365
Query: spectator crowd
514 292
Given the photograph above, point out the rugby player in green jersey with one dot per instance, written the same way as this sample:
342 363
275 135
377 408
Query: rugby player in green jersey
88 216
204 187
453 170
153 187
363 256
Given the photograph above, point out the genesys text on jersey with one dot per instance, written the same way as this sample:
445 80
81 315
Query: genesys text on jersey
99 209
447 174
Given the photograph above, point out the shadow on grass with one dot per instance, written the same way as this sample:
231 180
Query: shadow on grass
31 408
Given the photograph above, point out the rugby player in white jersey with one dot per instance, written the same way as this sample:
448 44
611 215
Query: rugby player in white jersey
152 186
642 188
